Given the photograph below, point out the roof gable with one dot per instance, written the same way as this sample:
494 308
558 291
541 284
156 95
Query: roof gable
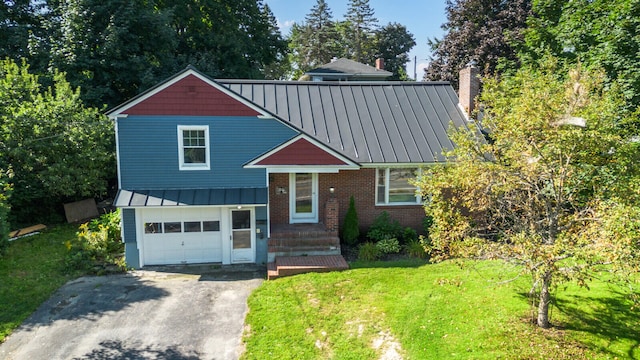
304 151
300 152
189 93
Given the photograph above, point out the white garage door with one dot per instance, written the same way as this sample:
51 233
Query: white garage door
181 236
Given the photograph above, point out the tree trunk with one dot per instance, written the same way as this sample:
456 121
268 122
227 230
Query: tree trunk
545 299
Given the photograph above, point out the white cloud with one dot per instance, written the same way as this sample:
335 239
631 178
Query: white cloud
284 26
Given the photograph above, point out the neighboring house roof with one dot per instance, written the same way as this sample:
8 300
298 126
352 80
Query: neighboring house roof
345 68
368 122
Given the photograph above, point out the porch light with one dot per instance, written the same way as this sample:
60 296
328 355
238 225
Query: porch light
332 189
239 206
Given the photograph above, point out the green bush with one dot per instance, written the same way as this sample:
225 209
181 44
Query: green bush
409 235
351 227
368 252
98 246
388 246
384 228
415 249
5 189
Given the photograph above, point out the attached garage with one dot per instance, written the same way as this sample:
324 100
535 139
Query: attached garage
179 227
181 236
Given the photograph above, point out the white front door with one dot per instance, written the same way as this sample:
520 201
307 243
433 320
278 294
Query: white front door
303 201
242 239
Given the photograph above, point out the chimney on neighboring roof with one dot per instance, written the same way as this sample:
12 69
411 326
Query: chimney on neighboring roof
380 63
469 87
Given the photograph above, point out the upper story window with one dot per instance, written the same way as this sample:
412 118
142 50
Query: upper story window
193 147
393 187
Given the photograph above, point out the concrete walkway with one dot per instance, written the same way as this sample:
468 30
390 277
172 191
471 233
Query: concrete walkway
191 312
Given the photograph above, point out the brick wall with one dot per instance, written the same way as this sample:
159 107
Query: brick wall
359 183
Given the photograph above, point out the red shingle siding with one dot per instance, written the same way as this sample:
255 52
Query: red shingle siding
191 96
301 152
359 183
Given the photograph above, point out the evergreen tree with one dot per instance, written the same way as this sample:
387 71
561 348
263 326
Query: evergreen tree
351 227
362 25
314 42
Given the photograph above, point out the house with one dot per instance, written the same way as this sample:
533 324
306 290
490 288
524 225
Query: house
348 70
248 171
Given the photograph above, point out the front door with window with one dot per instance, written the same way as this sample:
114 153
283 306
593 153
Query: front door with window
242 236
303 201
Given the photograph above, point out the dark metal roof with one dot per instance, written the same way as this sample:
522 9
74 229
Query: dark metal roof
239 196
349 67
368 122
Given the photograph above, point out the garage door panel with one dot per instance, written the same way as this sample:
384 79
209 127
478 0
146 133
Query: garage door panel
192 239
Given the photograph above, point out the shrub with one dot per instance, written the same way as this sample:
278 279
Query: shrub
368 252
415 249
409 235
351 229
388 246
97 247
5 190
384 228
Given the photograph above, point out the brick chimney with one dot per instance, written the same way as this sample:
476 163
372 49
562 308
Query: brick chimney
380 63
469 87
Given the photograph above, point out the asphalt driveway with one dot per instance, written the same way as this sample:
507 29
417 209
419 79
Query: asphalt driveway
164 313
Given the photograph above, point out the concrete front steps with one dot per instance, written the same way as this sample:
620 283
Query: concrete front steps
292 265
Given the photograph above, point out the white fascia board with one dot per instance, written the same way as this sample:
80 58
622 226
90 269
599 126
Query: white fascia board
349 163
275 169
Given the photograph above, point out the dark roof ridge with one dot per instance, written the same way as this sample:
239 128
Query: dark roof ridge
327 83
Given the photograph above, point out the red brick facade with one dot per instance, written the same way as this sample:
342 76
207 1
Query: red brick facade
359 183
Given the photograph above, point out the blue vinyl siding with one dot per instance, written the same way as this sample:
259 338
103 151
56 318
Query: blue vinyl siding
132 256
148 149
261 239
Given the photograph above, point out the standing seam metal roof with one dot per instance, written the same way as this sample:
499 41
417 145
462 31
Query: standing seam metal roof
368 122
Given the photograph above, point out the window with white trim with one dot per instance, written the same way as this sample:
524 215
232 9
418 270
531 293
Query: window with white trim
193 147
393 187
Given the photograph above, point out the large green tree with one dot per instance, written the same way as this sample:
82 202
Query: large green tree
483 31
361 26
314 42
225 38
57 149
603 33
111 49
554 189
393 43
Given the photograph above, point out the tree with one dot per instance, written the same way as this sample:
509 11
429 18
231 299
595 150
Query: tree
477 30
225 38
555 188
361 26
351 228
112 49
314 42
57 149
604 33
393 43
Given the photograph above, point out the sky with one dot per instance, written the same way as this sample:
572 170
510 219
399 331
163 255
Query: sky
422 18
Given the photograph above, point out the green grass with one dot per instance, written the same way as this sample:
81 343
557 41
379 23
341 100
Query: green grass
433 312
30 272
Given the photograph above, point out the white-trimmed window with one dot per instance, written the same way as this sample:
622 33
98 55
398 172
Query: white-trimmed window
193 147
393 187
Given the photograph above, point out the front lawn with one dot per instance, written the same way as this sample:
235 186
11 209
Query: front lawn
30 272
436 311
